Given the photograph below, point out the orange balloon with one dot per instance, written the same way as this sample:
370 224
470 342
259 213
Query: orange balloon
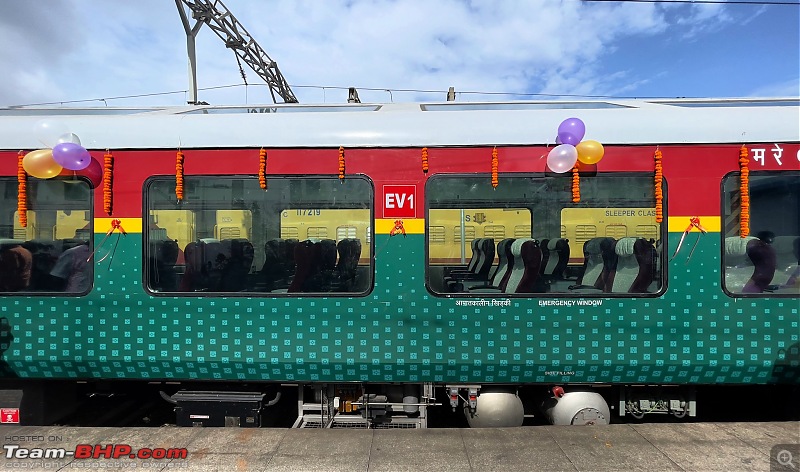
40 164
589 151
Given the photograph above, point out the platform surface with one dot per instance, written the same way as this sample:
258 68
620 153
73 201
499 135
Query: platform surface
729 447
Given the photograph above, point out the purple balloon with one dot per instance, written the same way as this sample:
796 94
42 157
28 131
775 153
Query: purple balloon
571 131
71 156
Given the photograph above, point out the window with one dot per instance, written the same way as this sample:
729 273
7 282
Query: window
50 254
229 236
764 263
557 248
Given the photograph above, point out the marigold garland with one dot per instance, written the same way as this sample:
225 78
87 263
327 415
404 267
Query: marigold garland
262 169
576 184
495 180
108 178
341 163
179 175
22 192
744 189
424 160
658 180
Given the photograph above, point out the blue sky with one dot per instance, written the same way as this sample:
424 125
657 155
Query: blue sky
68 50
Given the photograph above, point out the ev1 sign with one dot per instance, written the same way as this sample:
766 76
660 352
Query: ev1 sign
399 201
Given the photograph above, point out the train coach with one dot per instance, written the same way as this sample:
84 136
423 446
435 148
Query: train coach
382 261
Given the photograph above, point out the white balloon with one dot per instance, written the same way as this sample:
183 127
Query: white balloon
69 138
562 158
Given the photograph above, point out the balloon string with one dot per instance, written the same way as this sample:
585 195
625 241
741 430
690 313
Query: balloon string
116 225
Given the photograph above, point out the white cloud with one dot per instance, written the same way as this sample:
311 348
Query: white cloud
82 49
789 88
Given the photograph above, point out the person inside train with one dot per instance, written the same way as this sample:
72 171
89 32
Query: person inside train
16 266
73 266
766 236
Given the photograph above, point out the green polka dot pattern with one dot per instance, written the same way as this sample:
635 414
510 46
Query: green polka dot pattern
694 333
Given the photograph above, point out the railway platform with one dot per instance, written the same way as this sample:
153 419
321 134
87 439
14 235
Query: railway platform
730 447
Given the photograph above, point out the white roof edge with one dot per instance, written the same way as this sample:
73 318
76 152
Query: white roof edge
406 125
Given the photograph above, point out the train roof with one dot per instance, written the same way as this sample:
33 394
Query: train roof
611 122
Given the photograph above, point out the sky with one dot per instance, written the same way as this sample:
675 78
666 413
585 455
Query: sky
134 53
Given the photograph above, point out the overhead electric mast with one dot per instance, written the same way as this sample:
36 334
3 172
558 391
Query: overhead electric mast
227 27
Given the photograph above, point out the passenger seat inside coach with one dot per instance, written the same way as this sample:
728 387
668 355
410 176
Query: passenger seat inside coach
633 268
276 271
217 266
162 259
478 268
498 277
524 268
749 265
555 257
598 254
347 277
787 257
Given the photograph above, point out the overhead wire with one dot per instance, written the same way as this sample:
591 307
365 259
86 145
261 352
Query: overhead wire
333 87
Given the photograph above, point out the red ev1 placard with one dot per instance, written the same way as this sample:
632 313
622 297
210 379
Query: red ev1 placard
399 201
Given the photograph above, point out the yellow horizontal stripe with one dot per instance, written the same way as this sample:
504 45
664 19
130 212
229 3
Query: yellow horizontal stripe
130 225
411 225
678 224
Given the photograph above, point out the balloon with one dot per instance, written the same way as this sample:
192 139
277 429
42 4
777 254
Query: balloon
590 151
93 172
48 131
571 131
562 158
40 164
71 156
69 138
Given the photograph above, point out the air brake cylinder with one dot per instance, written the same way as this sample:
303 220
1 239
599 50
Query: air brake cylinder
472 400
453 393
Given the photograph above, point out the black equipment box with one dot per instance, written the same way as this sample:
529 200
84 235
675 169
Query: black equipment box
230 409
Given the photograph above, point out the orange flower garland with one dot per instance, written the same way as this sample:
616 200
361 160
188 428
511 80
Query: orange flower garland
108 176
179 175
495 180
658 179
262 169
744 189
424 160
576 184
22 192
341 163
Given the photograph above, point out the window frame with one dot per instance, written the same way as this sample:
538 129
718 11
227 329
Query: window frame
146 245
723 235
661 266
31 206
